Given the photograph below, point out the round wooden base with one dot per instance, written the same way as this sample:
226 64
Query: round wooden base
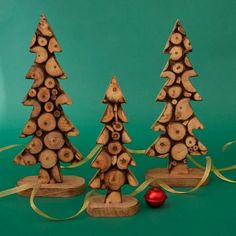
98 208
71 186
176 180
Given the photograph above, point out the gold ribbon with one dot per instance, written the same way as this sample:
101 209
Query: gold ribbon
136 151
45 215
91 154
10 147
144 185
14 190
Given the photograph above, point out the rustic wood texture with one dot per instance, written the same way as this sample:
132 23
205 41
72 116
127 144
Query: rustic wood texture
48 124
127 207
114 159
71 186
177 121
175 179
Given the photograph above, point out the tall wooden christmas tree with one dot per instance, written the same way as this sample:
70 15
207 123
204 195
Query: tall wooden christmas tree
177 121
113 160
48 124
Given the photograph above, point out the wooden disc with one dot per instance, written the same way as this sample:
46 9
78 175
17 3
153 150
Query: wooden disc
114 179
48 158
190 141
114 147
183 109
163 145
47 122
42 41
53 68
118 126
44 176
176 53
64 124
108 115
176 131
56 174
176 38
41 54
65 154
30 127
166 115
43 94
54 140
103 137
35 145
179 151
33 40
53 46
102 161
50 82
29 159
174 91
57 113
178 68
123 161
113 197
32 93
48 107
115 135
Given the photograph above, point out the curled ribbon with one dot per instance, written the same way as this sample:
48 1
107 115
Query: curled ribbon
91 154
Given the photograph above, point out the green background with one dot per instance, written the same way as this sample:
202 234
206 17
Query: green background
126 38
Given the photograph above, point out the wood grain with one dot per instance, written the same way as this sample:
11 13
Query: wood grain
97 208
71 186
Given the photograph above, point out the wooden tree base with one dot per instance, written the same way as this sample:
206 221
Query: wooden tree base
176 180
98 208
71 186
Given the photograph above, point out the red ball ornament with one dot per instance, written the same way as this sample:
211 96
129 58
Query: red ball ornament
155 197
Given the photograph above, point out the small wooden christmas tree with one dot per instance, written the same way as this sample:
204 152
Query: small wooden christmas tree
113 160
48 123
177 121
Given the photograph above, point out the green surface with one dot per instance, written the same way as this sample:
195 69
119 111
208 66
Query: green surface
126 38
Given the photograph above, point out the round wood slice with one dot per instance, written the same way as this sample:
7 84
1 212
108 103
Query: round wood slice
43 94
176 131
123 161
49 107
42 41
108 115
35 145
50 82
64 124
53 68
190 141
163 145
166 114
114 179
48 158
29 159
114 147
30 127
102 161
33 40
54 140
65 154
41 54
53 46
174 91
36 107
37 74
32 93
47 122
44 176
176 53
183 109
113 197
115 135
176 38
179 151
178 68
56 174
118 126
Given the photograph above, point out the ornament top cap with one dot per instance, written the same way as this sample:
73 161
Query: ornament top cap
114 93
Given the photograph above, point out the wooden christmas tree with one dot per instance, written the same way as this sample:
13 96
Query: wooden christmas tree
113 160
48 124
177 121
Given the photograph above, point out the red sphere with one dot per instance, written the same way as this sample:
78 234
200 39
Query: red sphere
155 197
